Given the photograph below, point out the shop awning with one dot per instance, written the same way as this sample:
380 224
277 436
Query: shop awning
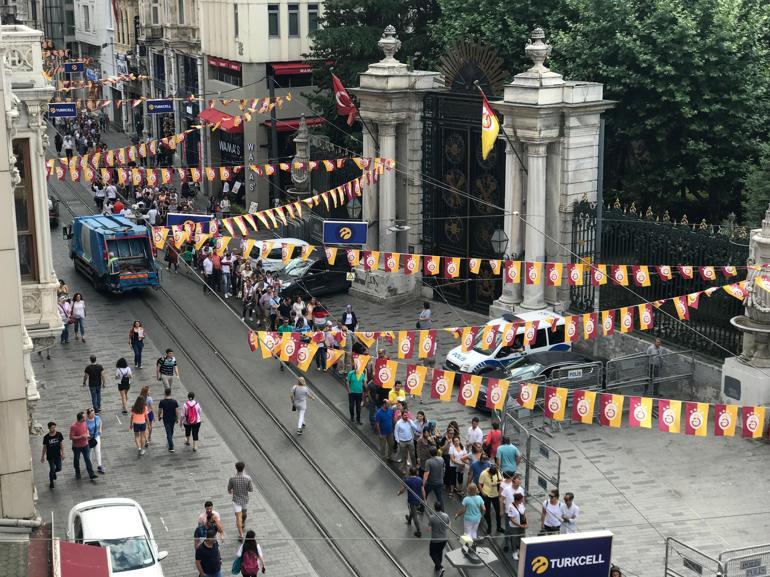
292 124
227 121
75 560
286 68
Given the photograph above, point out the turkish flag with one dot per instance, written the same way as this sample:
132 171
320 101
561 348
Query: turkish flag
345 106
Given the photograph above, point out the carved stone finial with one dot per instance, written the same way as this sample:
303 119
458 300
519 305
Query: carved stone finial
666 217
538 50
389 44
766 223
684 220
299 164
649 214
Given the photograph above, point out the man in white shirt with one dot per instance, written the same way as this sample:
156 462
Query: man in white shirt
111 192
569 514
475 434
99 196
152 215
227 262
208 273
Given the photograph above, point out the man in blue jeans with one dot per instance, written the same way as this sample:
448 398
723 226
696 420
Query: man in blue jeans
53 451
79 437
433 477
169 414
94 376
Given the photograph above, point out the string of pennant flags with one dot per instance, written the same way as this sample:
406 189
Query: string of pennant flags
69 85
87 168
248 106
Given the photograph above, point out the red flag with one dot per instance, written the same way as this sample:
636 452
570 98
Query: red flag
345 106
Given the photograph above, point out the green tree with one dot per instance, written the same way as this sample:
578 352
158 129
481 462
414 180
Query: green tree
756 196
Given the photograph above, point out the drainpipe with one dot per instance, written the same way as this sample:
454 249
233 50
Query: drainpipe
22 523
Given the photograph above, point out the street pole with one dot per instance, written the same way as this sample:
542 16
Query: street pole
274 178
598 229
203 144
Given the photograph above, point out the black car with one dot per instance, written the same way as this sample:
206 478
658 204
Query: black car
536 366
314 277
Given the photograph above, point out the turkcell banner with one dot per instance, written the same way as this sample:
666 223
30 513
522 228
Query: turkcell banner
180 218
344 232
62 110
162 106
585 554
70 67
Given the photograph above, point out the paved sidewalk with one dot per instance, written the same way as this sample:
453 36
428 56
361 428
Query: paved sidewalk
170 487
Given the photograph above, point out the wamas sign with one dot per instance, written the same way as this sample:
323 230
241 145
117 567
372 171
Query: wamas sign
586 554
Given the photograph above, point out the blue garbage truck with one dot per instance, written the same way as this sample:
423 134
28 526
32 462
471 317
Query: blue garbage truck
114 253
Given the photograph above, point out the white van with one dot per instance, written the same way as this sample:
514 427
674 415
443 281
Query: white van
478 360
273 261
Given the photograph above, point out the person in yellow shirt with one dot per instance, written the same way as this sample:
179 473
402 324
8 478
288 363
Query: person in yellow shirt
489 485
397 393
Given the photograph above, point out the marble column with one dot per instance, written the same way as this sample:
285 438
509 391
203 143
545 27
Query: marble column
553 223
534 294
512 224
387 217
371 197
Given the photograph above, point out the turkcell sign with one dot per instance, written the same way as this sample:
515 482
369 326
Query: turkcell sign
585 554
345 232
70 67
62 110
161 106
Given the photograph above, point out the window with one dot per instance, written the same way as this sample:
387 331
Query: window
225 71
557 336
273 20
86 19
25 212
312 17
69 22
155 11
293 19
180 10
235 21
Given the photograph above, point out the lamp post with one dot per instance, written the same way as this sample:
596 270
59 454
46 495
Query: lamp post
499 242
354 208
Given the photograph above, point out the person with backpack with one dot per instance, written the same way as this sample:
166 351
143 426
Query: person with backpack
123 374
250 555
191 419
166 369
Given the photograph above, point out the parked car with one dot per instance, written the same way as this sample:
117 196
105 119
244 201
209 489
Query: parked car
314 277
121 525
53 211
273 261
479 360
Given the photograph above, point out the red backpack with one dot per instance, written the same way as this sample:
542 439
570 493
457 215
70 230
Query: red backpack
249 563
193 414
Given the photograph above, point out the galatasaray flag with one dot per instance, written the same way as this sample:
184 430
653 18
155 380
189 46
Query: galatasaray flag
468 338
640 412
583 403
641 275
553 273
708 273
412 264
391 261
415 379
307 250
527 395
685 271
753 421
570 329
610 410
289 347
495 266
469 390
253 340
725 420
589 326
664 272
620 275
354 256
441 387
332 357
696 417
474 265
608 322
508 334
737 290
530 333
305 355
431 265
693 300
555 403
371 260
267 343
682 310
489 127
159 234
533 271
287 250
488 337
427 344
575 274
512 272
645 316
360 362
599 275
385 373
497 391
669 415
366 338
405 344
729 271
451 266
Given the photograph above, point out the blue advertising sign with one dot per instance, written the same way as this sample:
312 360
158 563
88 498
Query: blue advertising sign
345 232
91 75
162 106
70 67
180 218
62 110
585 554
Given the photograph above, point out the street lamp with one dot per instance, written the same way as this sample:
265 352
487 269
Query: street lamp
499 241
354 208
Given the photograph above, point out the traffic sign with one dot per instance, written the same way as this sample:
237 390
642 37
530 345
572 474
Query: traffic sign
162 106
345 232
62 110
70 67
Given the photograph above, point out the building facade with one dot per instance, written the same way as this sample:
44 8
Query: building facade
94 35
58 22
29 319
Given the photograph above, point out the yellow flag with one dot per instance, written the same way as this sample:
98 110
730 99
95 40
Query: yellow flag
305 355
489 128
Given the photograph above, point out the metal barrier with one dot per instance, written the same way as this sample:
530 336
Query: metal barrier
684 561
746 562
541 462
636 371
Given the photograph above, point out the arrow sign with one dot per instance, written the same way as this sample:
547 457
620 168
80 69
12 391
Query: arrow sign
62 110
162 106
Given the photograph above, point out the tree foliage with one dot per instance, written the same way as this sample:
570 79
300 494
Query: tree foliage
757 194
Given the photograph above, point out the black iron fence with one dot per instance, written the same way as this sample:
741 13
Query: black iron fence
632 238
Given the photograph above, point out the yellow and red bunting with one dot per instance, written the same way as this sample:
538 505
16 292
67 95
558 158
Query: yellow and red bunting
159 234
669 415
725 420
287 251
575 274
752 421
641 276
533 271
385 373
495 265
253 340
360 362
555 403
737 290
620 274
474 265
599 275
640 412
268 343
289 346
626 319
664 272
368 338
441 386
392 261
527 395
553 273
729 271
530 333
497 392
682 310
686 272
646 318
512 272
332 357
331 254
508 334
468 392
570 329
610 410
354 256
431 265
427 344
468 337
412 264
583 405
307 250
708 273
405 345
371 260
305 355
487 337
415 379
696 418
451 267
589 326
608 322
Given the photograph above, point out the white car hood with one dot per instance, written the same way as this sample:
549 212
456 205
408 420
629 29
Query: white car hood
472 358
152 571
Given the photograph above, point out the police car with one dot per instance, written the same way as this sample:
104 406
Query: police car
480 359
